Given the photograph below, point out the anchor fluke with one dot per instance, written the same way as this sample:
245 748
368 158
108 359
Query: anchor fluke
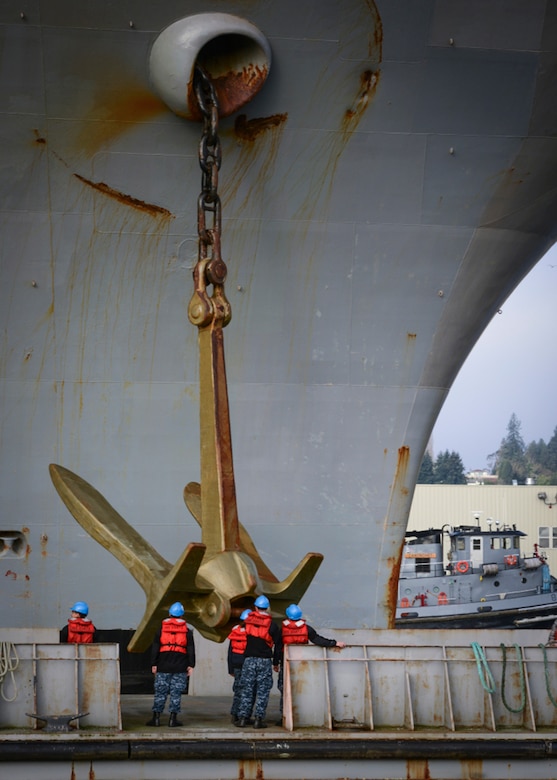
280 594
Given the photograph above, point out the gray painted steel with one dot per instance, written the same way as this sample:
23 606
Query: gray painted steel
370 237
397 681
47 685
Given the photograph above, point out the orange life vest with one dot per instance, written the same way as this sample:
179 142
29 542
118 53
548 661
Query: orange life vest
257 624
174 635
294 632
80 631
238 639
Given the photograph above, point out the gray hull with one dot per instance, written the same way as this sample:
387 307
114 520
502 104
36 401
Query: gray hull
403 185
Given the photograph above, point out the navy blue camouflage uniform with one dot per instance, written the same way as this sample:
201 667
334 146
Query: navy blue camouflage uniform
171 677
256 681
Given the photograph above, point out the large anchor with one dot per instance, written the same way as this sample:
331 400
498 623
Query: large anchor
219 577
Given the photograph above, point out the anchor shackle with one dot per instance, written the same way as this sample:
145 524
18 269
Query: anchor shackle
233 52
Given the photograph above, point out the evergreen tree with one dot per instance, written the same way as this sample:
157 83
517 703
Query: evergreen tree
426 475
551 454
511 461
449 469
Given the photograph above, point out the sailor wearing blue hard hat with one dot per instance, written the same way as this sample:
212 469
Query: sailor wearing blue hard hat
236 649
295 631
172 662
261 656
79 629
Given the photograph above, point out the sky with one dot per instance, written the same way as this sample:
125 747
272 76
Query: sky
512 369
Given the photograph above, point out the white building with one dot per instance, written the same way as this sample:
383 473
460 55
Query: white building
531 508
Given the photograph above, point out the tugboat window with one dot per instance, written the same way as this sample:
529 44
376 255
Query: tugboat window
423 565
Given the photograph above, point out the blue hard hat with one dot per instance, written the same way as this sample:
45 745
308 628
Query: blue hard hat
245 613
81 607
262 602
293 612
176 610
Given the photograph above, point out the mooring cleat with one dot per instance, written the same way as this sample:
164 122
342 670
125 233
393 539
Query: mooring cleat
57 723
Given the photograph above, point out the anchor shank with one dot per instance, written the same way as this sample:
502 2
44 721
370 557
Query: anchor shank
220 529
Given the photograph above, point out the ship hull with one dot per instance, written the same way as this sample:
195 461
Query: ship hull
388 188
538 615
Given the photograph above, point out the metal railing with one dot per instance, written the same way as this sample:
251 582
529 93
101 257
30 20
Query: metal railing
411 687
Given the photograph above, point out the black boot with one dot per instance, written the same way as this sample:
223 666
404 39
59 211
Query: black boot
241 723
259 723
155 720
173 721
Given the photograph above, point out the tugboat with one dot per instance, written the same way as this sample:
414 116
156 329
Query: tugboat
487 582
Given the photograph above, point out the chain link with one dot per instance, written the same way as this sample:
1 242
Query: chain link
210 268
208 203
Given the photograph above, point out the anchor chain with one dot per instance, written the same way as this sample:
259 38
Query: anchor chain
210 268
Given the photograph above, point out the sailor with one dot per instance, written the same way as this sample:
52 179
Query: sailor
261 656
295 631
236 649
80 629
172 662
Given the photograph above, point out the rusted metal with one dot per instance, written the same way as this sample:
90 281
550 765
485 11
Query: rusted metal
250 129
233 90
128 200
388 683
231 50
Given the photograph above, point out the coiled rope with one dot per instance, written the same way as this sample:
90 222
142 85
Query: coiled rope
520 708
546 670
9 661
483 668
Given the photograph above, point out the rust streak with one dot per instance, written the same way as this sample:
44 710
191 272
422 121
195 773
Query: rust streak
127 200
472 769
368 86
394 563
392 587
249 129
233 89
417 769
